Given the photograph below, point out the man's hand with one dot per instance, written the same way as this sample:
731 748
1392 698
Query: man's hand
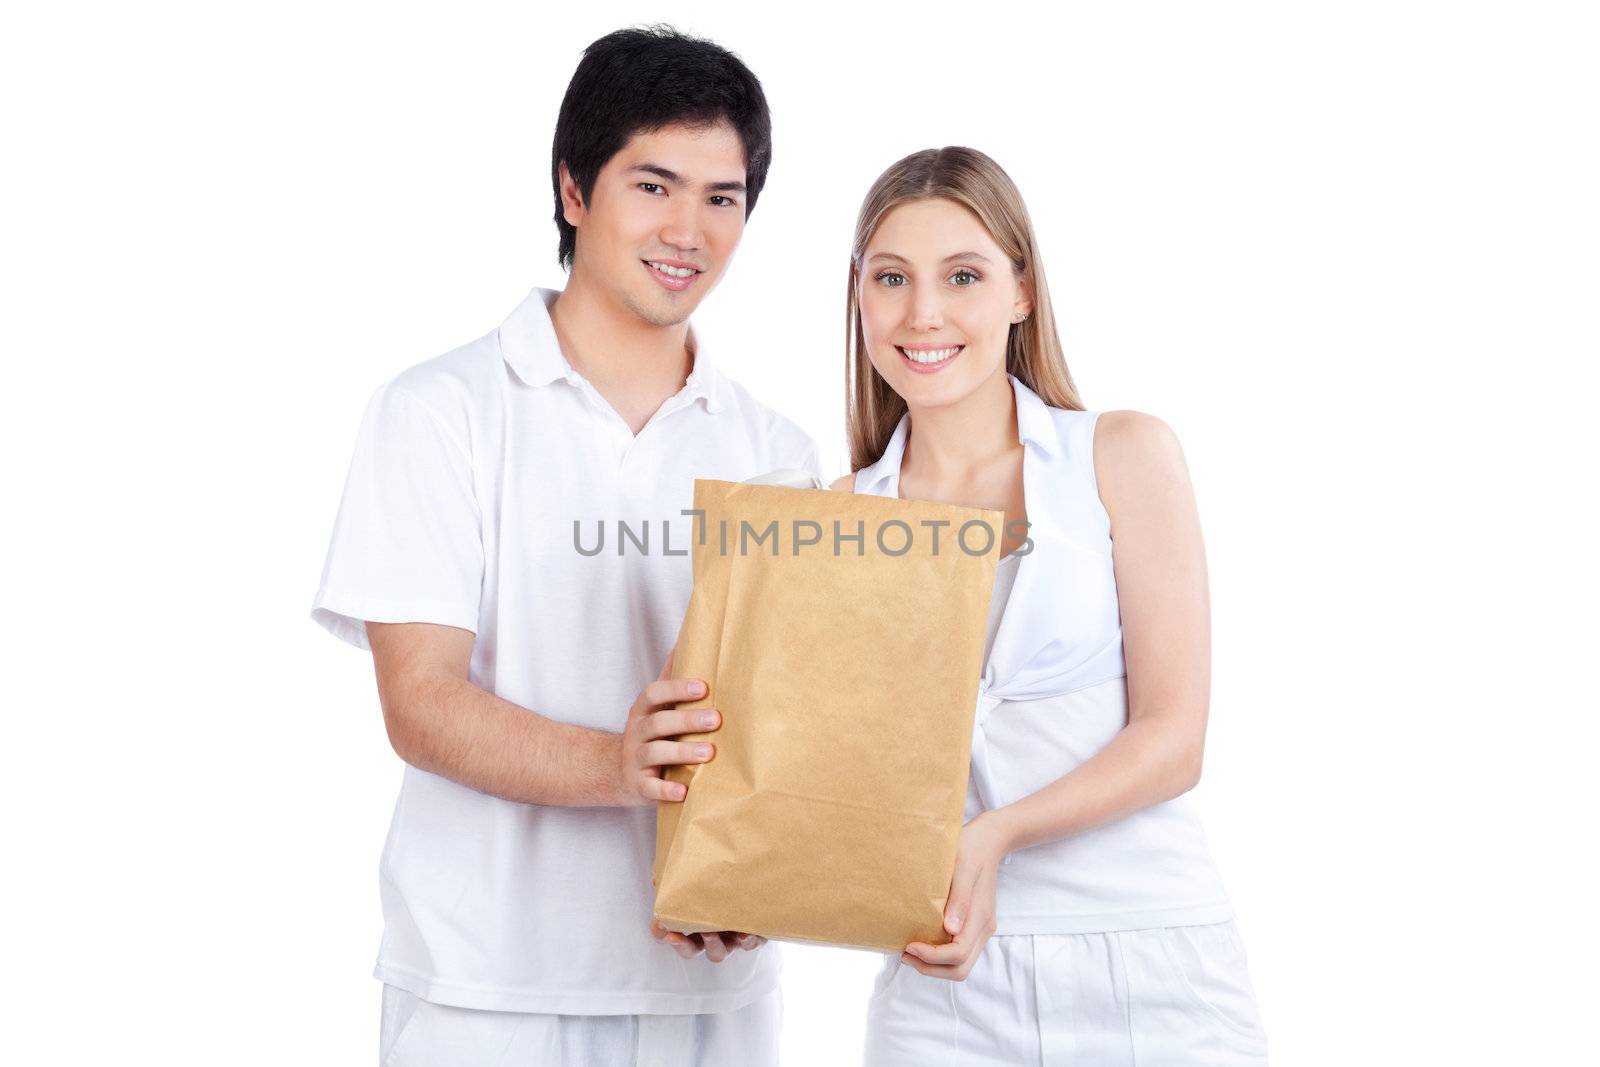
645 748
969 911
716 946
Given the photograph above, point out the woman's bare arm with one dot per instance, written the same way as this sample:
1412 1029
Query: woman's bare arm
1159 561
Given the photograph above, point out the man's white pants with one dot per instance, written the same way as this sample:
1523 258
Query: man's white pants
419 1033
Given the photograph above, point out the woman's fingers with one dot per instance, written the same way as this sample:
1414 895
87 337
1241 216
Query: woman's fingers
959 905
957 973
949 955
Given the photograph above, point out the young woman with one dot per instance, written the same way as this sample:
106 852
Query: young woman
1088 923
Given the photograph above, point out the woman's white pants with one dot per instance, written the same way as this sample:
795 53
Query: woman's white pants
1179 995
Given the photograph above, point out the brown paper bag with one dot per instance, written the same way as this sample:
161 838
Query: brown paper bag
847 684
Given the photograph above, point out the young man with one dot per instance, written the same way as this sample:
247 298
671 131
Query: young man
514 669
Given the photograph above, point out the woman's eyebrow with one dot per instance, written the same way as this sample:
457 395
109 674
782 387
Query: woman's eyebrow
978 256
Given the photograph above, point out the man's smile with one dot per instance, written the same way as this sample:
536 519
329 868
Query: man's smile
673 274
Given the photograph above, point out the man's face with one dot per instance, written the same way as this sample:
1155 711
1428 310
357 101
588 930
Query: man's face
663 220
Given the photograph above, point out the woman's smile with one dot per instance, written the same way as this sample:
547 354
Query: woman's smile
929 359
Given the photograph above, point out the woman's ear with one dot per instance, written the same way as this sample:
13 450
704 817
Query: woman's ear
571 199
1024 303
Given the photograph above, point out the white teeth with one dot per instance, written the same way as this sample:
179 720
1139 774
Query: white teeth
674 272
931 355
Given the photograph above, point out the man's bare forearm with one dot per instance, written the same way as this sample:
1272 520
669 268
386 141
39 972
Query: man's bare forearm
442 723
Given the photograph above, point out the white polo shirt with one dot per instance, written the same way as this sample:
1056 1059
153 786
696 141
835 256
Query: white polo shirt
470 473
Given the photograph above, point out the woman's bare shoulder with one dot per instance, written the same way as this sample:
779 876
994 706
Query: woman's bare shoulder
1136 456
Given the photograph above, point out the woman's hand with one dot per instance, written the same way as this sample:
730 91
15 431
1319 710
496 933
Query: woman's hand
969 911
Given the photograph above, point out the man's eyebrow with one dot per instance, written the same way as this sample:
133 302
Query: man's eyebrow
672 177
660 172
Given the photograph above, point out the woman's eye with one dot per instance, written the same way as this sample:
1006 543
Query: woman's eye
963 277
893 279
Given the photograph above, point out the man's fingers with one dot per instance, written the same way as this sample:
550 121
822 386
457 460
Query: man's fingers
654 788
684 945
659 724
716 948
675 753
665 691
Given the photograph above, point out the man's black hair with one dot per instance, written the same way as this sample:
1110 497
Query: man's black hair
639 80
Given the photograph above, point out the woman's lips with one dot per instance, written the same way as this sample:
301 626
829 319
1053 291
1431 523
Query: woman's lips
928 360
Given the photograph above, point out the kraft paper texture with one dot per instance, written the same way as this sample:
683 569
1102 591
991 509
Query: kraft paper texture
847 685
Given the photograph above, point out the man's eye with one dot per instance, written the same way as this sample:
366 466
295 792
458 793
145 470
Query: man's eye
893 279
722 201
650 187
964 277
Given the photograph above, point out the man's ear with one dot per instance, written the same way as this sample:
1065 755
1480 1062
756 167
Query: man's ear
571 198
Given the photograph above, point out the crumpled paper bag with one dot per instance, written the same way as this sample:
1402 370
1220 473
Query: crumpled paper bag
847 685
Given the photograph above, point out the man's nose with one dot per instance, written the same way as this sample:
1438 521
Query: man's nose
685 229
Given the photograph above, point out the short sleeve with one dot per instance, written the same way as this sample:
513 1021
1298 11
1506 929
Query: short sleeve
793 448
407 543
812 464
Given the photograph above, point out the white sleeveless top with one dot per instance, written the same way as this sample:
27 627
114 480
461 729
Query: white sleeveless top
1054 693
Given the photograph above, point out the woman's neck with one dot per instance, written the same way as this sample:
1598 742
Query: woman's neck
952 444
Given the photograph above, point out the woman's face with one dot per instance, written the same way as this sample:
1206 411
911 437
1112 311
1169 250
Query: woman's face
938 298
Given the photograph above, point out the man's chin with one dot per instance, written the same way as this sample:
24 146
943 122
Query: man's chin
661 309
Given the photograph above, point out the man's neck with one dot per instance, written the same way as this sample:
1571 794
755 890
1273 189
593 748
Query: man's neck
634 364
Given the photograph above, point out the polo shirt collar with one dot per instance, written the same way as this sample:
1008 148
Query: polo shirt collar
528 344
1035 427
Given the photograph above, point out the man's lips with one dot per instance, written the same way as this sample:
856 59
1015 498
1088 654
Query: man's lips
673 274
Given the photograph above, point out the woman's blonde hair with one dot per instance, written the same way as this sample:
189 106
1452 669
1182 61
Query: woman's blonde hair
967 177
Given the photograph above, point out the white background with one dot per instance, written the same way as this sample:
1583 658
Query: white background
1348 251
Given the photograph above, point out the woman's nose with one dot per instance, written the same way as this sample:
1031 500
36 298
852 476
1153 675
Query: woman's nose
927 310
